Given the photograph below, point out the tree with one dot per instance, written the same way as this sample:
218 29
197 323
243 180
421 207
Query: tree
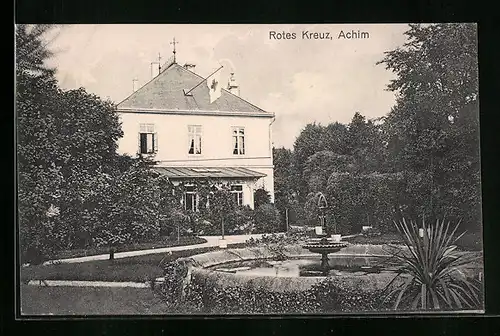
334 138
366 144
66 149
434 126
261 196
32 50
124 209
221 206
321 165
286 181
39 180
173 217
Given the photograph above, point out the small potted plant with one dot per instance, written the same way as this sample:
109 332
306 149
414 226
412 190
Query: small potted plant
336 238
222 243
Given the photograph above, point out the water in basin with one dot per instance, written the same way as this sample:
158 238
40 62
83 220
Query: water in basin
304 267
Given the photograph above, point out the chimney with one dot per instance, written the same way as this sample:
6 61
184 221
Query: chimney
232 85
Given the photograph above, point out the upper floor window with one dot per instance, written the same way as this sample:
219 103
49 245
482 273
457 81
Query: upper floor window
237 191
238 140
148 139
194 135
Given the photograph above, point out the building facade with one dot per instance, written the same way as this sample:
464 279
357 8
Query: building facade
176 120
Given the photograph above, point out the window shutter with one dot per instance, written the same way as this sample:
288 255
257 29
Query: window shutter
155 143
139 143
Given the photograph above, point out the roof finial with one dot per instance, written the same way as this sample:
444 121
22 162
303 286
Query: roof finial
174 42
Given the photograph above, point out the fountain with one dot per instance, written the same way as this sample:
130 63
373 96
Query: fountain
324 246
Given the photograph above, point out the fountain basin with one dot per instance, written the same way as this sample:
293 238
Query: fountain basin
325 248
240 280
306 266
205 266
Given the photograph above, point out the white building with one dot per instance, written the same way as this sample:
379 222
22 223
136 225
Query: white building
172 119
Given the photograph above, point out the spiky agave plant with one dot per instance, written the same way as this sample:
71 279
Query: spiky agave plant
429 270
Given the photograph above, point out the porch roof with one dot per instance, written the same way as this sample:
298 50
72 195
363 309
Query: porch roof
209 172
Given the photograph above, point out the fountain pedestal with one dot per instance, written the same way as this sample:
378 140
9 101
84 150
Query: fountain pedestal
324 247
325 266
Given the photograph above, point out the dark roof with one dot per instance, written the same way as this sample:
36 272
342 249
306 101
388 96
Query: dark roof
208 172
166 92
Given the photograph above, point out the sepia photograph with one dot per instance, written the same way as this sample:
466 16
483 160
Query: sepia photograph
248 169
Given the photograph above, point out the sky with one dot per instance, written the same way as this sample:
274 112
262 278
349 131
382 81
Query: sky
300 80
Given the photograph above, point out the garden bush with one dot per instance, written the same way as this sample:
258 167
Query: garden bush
346 295
363 200
173 288
267 219
207 294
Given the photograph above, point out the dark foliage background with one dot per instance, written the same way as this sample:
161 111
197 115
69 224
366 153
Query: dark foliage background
421 160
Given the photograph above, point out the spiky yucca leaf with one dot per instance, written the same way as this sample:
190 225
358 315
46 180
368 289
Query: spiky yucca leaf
430 266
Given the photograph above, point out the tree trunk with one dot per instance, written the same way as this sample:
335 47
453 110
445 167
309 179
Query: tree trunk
223 228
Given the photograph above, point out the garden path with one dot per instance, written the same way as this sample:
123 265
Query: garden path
211 242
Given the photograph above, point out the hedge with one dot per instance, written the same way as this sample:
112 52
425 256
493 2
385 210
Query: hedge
363 200
207 294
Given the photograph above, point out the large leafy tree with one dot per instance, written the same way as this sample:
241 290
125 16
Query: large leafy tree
39 180
335 137
32 50
66 148
321 165
316 138
287 178
365 142
434 127
125 208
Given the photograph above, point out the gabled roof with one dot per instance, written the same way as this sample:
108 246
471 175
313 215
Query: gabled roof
208 172
165 92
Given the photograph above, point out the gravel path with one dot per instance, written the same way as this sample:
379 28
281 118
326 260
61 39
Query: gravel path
211 242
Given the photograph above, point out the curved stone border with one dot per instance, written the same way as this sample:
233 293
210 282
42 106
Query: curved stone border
202 265
213 258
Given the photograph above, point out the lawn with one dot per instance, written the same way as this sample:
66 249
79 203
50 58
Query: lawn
137 269
470 241
89 301
160 243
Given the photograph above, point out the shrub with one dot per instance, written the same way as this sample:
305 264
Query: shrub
261 196
372 232
172 290
470 242
335 295
357 200
209 294
432 280
240 220
266 219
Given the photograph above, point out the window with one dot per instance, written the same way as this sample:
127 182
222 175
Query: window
237 191
191 199
194 133
148 139
238 140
